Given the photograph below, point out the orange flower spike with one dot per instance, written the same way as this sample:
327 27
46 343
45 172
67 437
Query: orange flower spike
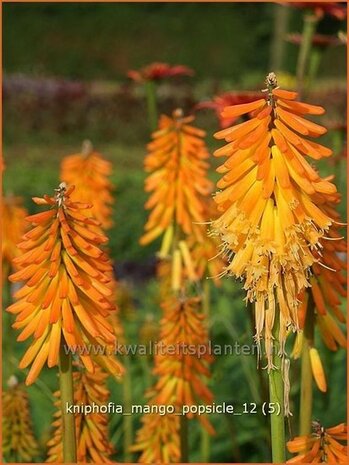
272 215
178 180
182 377
158 439
18 441
66 291
320 446
90 174
91 429
13 227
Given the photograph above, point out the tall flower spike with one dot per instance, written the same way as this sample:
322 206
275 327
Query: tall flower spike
178 178
158 439
67 285
323 445
181 379
90 174
18 441
272 221
90 389
320 304
13 227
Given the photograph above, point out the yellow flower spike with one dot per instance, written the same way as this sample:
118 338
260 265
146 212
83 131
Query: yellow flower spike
272 203
90 389
90 174
66 293
18 441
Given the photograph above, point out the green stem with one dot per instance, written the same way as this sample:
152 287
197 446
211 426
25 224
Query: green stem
205 437
306 401
127 419
309 27
150 89
314 63
67 398
276 398
262 388
184 439
281 15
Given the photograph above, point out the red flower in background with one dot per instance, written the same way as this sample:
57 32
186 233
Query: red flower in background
219 102
335 9
318 40
157 71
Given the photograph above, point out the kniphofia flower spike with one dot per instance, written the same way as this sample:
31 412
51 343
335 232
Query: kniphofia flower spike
320 303
181 381
323 445
270 201
91 429
66 295
178 180
89 172
18 441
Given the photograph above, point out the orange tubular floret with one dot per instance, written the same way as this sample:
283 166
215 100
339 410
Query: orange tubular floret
238 110
284 94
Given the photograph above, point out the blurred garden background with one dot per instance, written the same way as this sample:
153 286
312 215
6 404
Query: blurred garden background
65 80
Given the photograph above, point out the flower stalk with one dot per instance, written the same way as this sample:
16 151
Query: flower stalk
184 439
67 398
309 28
150 89
276 399
306 401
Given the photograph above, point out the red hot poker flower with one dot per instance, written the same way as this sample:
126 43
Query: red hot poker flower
91 429
323 445
177 179
89 172
67 292
271 202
